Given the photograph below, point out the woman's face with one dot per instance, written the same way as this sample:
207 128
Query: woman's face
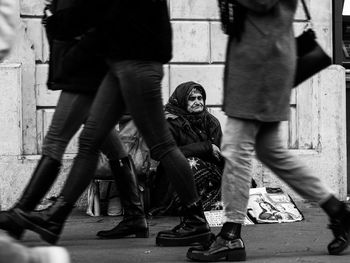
195 102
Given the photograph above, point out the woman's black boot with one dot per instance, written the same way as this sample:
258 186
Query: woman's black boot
134 222
47 223
340 226
8 223
43 177
193 229
226 246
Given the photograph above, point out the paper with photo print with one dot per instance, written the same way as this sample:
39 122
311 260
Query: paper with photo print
272 205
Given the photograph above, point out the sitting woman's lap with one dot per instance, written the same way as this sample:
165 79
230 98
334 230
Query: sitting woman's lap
207 178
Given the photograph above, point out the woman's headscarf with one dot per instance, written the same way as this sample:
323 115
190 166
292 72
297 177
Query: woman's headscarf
177 106
178 101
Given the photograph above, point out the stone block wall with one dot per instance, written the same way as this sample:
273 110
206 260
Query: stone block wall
26 105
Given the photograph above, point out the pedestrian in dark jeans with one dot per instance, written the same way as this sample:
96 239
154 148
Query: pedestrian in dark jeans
10 250
135 38
79 82
259 76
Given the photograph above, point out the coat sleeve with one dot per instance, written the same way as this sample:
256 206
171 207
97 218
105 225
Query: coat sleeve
201 150
8 17
259 6
197 149
216 134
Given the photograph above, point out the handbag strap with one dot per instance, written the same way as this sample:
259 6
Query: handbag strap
306 10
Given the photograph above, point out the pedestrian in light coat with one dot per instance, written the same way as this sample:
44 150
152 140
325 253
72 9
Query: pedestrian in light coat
259 75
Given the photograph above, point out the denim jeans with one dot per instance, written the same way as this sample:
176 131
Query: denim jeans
241 138
71 111
134 86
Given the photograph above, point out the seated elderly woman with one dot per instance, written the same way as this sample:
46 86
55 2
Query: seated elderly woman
198 134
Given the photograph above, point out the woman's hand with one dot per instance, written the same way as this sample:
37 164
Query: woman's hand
216 152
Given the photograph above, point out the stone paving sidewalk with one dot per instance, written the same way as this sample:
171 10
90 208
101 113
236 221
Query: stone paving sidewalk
303 241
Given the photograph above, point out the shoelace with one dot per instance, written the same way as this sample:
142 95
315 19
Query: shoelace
181 225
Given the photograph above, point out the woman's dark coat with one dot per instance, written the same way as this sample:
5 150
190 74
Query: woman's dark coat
135 30
73 63
196 142
193 134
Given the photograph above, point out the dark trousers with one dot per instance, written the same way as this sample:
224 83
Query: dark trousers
71 111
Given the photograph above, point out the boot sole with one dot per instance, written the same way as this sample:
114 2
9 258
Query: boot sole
140 234
339 250
184 241
231 255
44 234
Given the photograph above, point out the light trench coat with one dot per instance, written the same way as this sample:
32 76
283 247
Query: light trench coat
260 67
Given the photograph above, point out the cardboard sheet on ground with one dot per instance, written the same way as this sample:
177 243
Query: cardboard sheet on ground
266 205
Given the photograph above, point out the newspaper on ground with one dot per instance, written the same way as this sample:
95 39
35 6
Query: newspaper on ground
266 205
272 205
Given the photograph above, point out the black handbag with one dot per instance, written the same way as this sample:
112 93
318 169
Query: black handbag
311 58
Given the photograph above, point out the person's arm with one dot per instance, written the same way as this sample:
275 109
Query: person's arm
216 134
201 150
259 6
7 26
197 149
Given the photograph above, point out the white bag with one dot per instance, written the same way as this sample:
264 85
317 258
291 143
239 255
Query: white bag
93 200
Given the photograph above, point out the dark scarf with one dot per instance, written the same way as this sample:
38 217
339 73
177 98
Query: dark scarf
232 16
177 106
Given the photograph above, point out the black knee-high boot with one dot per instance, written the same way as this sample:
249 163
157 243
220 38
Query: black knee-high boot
47 223
42 179
134 221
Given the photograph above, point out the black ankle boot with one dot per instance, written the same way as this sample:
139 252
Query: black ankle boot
193 229
219 249
43 177
134 221
48 223
340 226
226 246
